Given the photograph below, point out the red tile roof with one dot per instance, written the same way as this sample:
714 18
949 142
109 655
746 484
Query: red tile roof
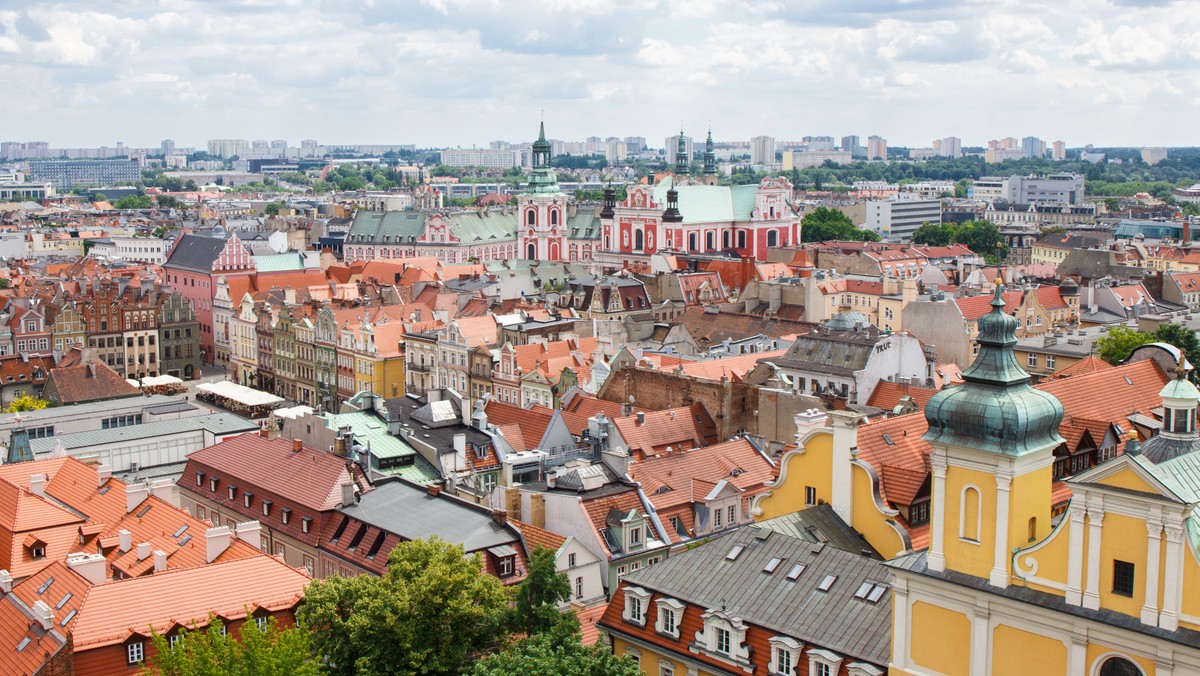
597 510
93 381
531 423
887 395
538 537
1086 366
974 307
114 611
679 428
587 623
307 477
1111 394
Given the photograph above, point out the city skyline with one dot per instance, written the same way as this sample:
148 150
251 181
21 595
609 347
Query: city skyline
463 73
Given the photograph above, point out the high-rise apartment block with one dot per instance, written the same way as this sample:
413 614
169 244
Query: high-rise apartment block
1033 146
672 143
876 148
1058 150
762 150
1153 155
69 174
951 146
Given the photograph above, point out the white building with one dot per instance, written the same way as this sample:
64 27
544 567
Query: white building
896 220
762 150
989 188
1153 156
951 146
493 159
132 249
1045 189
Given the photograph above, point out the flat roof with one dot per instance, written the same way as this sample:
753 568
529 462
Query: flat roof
217 423
410 512
48 415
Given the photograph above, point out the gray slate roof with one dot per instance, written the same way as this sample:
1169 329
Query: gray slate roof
410 512
838 352
834 620
195 253
217 423
821 524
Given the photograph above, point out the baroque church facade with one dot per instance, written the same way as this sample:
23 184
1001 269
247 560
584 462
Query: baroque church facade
679 213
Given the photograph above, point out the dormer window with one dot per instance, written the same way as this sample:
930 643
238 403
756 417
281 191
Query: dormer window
266 505
199 478
305 523
232 492
785 655
247 498
723 637
637 601
212 484
670 617
285 515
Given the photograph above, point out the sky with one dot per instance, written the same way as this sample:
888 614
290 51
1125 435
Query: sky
465 72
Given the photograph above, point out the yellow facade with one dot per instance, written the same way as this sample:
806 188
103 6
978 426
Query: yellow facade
945 645
809 465
968 539
1016 652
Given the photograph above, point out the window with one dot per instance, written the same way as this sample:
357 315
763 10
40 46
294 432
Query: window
506 566
1050 362
579 587
810 495
309 564
717 518
918 512
261 623
280 550
1123 576
1119 666
135 652
247 498
783 660
199 478
571 560
827 582
821 669
635 536
636 612
232 492
731 514
722 640
665 668
175 640
969 515
772 565
1031 360
201 513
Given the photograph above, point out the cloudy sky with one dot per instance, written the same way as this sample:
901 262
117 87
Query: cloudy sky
463 72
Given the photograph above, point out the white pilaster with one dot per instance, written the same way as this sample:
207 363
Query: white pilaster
1075 556
845 441
900 617
980 633
1153 547
999 576
937 529
1077 654
1169 617
1091 593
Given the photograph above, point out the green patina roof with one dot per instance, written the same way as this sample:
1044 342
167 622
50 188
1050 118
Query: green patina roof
996 409
711 203
479 228
284 262
370 431
373 226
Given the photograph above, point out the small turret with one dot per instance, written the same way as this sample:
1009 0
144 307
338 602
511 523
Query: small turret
610 202
681 158
671 214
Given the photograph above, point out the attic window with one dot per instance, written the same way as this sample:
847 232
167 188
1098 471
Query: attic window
232 492
142 511
180 531
305 523
662 489
285 514
247 497
737 471
45 585
212 484
735 552
1128 381
266 505
827 582
199 478
67 620
887 439
772 565
63 602
23 644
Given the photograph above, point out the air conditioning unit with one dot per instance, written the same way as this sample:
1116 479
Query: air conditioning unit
134 466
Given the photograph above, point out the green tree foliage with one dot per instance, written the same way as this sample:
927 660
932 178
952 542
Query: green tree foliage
541 590
982 237
273 208
100 197
134 202
26 402
271 652
168 202
431 613
556 653
823 224
1183 338
1119 342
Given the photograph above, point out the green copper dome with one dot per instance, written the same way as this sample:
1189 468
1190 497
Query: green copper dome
996 409
542 180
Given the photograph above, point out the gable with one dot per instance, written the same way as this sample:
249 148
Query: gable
1128 479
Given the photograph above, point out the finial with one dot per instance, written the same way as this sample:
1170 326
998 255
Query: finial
1180 369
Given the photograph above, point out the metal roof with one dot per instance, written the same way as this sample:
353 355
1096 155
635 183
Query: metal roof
217 423
410 512
833 619
48 415
195 252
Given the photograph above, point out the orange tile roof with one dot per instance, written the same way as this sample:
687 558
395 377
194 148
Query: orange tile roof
887 395
308 477
732 368
587 623
906 450
598 508
531 422
64 595
1086 366
538 537
974 307
17 624
685 477
1110 394
114 611
583 406
679 428
478 330
1050 297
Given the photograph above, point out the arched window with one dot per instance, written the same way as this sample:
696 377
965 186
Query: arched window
554 217
725 240
638 240
531 251
710 241
741 239
692 242
1119 666
530 218
970 518
772 238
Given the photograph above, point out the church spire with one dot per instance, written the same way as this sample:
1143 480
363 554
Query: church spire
710 157
681 158
542 178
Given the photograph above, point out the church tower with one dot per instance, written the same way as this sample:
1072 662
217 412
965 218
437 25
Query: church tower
542 209
681 160
993 441
710 163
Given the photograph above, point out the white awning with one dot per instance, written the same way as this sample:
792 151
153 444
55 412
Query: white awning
240 393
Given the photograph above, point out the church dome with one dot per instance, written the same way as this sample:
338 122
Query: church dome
995 409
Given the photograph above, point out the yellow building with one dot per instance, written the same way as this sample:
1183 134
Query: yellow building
1112 589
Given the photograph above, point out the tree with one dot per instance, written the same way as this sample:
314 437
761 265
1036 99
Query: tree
556 653
982 237
823 224
26 402
133 202
934 234
273 651
1181 337
168 202
431 613
537 597
100 197
1120 341
272 209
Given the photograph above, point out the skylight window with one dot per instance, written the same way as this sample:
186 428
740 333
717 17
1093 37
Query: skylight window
45 585
827 582
888 439
180 531
877 593
794 573
63 602
772 565
735 552
864 589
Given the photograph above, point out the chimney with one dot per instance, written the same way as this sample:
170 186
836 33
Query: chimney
135 494
5 582
217 541
126 540
297 445
339 444
500 516
262 432
37 484
160 561
42 612
143 550
91 567
165 490
845 448
641 418
460 443
103 474
537 509
808 421
512 501
250 532
433 489
348 493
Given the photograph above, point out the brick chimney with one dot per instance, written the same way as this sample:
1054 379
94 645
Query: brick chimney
500 517
92 567
126 540
512 500
433 489
297 445
216 541
537 509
